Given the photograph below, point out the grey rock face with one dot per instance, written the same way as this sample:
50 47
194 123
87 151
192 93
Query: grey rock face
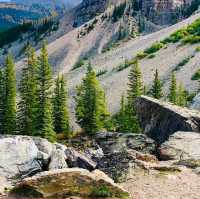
77 159
57 160
181 146
18 157
196 102
159 119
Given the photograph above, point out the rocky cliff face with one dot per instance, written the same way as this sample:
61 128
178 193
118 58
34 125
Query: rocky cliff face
159 119
163 12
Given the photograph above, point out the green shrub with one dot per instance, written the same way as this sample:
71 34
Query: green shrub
79 64
196 76
154 48
101 192
176 36
182 63
101 72
198 49
192 39
141 55
151 56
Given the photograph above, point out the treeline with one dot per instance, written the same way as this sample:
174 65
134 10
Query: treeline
36 28
42 108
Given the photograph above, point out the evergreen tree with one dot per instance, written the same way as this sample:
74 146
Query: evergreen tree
60 110
27 89
173 89
44 102
182 97
91 112
135 90
2 97
156 90
10 97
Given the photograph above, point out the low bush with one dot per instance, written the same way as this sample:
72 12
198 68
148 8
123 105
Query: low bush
101 72
154 48
196 76
192 39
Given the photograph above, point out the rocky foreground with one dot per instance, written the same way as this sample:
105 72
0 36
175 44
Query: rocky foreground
109 165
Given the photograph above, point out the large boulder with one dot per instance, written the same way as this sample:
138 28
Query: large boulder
159 119
181 146
19 157
70 182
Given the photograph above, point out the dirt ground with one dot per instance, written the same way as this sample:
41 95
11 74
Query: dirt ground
160 185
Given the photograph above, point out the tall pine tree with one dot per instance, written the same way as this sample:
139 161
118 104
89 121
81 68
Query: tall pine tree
10 97
135 90
91 112
181 96
27 89
173 89
60 110
156 90
44 114
2 98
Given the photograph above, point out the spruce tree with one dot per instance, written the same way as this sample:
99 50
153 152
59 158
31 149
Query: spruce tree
135 84
10 97
60 110
91 112
182 97
156 90
27 89
135 90
2 97
44 114
173 89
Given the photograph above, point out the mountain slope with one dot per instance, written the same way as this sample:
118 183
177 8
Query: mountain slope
65 51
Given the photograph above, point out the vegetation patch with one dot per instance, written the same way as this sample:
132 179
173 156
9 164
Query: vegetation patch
79 64
101 72
154 48
198 49
182 63
196 76
101 192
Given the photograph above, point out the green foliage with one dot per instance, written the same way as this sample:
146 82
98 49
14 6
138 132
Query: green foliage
91 112
176 36
60 110
118 12
141 55
196 76
182 63
135 83
101 72
151 56
79 64
156 90
173 89
123 66
198 49
27 89
2 98
191 39
10 97
154 48
181 96
101 192
44 107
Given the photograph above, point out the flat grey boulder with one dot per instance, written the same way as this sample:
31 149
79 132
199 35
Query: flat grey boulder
160 119
181 146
